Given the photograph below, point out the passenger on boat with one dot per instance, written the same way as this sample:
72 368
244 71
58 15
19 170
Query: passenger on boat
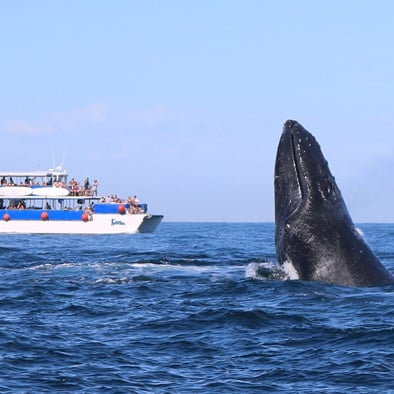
88 211
94 188
133 204
86 188
116 199
3 181
76 189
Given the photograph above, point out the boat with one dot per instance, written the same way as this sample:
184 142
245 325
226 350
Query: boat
44 202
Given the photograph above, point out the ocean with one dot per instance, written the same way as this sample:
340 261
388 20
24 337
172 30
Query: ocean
186 310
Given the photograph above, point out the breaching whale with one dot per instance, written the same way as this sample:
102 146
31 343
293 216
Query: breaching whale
314 232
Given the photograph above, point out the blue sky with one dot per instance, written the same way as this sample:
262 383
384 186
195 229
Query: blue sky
183 102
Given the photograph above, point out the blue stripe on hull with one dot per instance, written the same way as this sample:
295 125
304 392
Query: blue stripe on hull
113 208
35 214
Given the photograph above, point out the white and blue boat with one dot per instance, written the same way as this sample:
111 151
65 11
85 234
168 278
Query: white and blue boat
44 202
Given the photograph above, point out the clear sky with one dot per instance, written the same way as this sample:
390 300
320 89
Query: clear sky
182 102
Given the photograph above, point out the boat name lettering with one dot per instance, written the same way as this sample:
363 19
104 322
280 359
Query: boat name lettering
115 222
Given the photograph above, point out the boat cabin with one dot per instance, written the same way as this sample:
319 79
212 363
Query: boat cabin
34 178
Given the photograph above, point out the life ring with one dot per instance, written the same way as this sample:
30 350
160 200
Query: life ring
121 209
85 217
6 217
44 216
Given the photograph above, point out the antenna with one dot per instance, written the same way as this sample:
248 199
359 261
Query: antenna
63 157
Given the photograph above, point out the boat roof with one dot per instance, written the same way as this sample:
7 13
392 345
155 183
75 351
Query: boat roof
50 198
51 171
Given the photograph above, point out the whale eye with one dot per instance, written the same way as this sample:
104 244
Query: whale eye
328 190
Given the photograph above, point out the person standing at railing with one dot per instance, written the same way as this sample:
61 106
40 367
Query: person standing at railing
94 188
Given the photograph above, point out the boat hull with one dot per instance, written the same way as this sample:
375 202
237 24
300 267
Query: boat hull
100 224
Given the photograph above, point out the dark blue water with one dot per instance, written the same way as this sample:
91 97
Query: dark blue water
180 311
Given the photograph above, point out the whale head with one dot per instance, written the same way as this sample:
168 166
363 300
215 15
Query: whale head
314 232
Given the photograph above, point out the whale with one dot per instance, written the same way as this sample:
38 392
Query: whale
315 237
